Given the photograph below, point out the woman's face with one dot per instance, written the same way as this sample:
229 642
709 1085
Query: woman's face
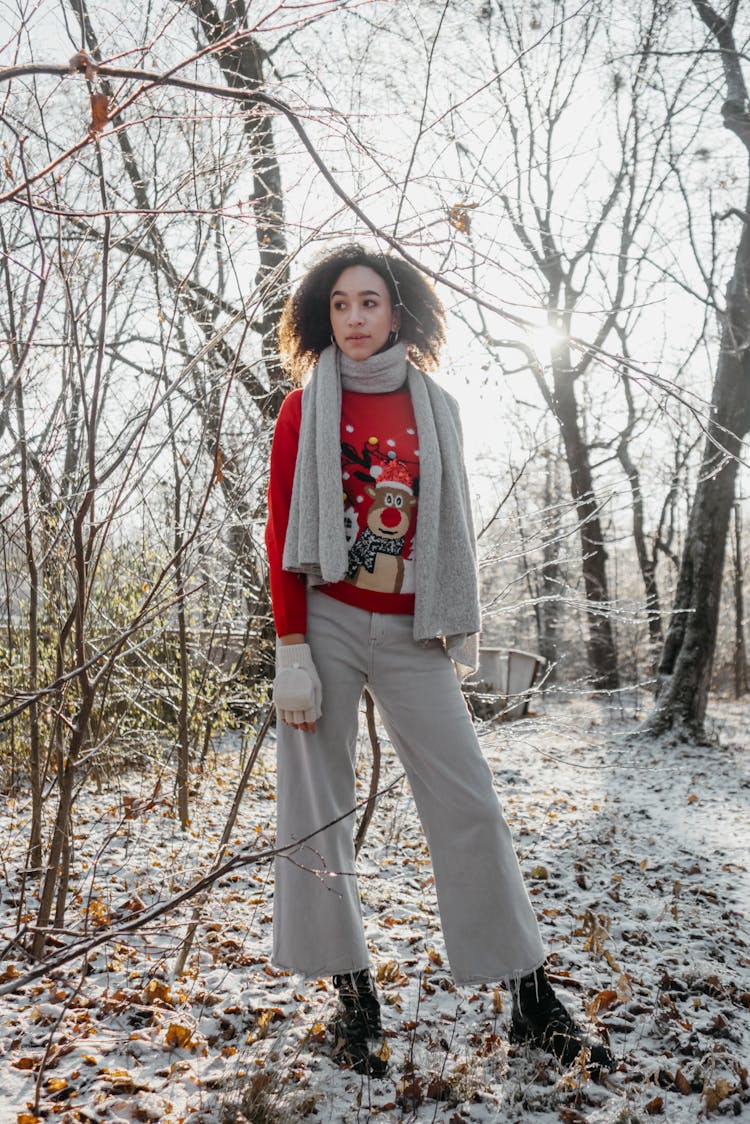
362 315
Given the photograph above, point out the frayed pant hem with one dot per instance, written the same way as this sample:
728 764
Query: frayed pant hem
316 973
507 975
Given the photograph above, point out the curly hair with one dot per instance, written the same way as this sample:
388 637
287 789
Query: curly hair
305 324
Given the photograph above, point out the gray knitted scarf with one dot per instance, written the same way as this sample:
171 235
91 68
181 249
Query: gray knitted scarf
446 603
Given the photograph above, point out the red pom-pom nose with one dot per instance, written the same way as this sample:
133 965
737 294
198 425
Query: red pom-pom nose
390 516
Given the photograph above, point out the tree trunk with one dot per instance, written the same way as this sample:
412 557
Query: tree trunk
687 656
602 654
740 652
550 603
241 63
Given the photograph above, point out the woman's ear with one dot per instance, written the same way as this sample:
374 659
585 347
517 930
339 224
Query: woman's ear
396 319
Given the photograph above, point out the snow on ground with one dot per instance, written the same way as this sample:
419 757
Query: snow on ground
636 858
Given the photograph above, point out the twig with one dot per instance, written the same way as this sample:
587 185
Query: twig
364 823
228 828
237 862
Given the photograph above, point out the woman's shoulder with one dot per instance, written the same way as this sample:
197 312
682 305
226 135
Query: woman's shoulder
291 407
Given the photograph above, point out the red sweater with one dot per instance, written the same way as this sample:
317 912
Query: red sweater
380 483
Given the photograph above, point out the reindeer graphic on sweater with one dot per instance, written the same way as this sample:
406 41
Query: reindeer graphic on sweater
376 559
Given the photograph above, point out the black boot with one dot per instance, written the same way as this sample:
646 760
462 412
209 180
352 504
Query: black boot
540 1018
356 1028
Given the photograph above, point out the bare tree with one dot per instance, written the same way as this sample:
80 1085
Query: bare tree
688 652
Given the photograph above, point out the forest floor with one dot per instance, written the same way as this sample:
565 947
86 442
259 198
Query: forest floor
636 857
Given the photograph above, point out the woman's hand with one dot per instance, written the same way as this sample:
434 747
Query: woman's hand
297 691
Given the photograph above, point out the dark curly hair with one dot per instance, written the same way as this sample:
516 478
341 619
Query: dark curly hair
305 325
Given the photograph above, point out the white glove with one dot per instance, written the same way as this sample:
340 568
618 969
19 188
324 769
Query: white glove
296 691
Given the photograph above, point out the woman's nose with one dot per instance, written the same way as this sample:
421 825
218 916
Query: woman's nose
355 315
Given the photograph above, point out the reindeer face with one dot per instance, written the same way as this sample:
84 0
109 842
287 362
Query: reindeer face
391 512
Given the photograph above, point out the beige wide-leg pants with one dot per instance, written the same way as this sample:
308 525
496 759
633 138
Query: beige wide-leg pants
488 924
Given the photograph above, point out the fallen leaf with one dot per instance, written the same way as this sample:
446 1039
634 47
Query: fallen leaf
681 1083
438 1089
157 990
409 1092
23 1063
178 1036
713 1095
655 1107
603 1001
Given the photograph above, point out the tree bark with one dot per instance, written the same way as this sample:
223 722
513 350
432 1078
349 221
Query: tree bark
740 651
687 656
600 641
241 63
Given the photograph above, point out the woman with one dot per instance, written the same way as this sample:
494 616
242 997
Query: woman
373 583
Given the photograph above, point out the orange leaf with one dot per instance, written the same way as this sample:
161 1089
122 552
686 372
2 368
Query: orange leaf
603 1000
682 1084
79 62
459 216
23 1063
715 1094
179 1036
99 113
157 989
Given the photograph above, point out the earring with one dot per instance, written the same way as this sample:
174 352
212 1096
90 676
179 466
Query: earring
393 337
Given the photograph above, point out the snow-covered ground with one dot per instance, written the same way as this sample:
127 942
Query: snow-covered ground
636 857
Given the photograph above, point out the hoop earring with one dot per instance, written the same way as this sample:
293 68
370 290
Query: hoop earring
393 337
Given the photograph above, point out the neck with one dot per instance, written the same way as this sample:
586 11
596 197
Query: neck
380 374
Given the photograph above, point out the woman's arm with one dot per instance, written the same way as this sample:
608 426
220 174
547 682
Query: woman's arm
288 593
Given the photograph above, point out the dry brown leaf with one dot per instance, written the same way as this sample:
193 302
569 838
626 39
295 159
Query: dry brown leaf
459 216
682 1084
655 1107
99 113
603 1001
79 62
713 1095
157 990
178 1036
409 1092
